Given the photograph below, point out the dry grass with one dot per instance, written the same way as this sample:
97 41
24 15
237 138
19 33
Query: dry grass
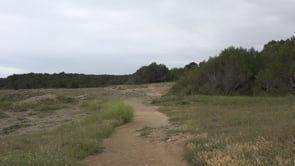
67 141
235 130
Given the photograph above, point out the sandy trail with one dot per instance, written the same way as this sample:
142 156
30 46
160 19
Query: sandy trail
126 147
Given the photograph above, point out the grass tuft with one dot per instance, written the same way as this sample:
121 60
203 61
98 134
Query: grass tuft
118 111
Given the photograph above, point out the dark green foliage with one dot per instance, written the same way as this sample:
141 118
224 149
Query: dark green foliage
191 66
277 74
2 82
176 73
61 80
152 73
239 71
232 72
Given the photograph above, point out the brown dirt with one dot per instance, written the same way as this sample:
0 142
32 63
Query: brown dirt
126 146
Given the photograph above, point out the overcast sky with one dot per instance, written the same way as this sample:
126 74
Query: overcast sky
119 36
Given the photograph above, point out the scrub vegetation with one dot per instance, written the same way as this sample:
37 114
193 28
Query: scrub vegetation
234 130
240 71
66 142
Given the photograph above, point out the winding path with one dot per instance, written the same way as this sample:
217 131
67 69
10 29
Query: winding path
126 147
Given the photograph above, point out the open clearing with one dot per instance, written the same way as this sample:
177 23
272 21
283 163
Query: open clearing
33 117
69 127
234 130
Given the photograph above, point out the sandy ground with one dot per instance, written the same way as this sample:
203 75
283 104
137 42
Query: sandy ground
127 148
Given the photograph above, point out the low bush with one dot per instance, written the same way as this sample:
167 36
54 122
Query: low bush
118 111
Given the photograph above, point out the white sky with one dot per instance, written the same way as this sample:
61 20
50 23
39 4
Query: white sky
119 36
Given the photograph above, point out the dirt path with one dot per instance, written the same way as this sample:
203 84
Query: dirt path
126 147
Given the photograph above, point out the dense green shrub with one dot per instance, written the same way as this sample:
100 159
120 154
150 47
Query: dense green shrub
240 71
232 72
152 73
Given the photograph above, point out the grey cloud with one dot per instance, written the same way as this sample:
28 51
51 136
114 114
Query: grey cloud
115 36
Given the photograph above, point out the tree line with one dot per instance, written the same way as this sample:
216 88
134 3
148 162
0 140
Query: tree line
59 80
234 71
152 73
241 71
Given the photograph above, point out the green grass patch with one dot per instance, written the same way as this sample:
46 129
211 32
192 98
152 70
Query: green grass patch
68 144
235 130
118 111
